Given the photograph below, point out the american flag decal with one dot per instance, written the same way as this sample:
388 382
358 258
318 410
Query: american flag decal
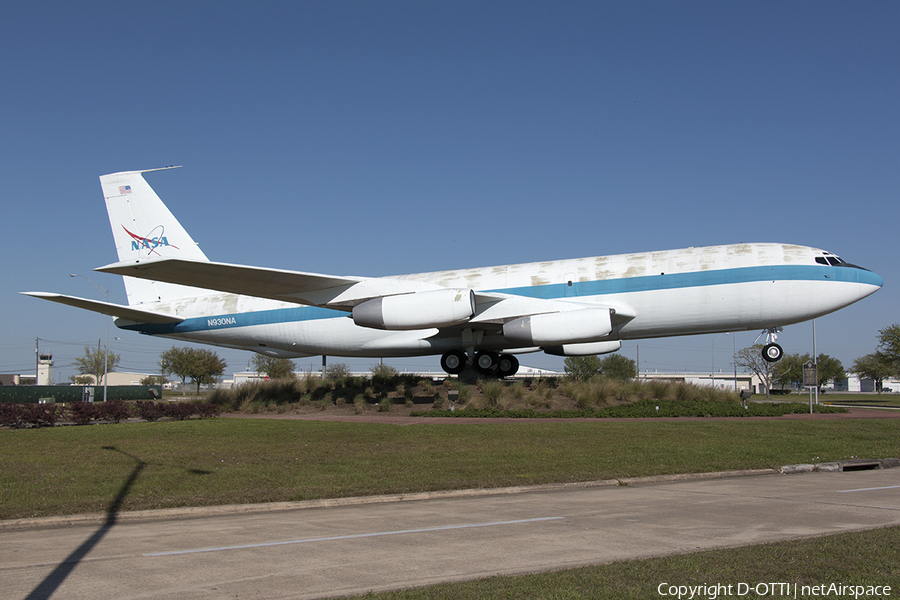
124 189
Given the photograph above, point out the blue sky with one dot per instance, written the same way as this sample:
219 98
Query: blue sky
378 138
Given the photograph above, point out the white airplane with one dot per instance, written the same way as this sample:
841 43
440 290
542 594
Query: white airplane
480 317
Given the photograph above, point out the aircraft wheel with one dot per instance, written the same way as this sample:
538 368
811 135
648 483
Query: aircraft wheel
453 362
772 352
508 365
486 362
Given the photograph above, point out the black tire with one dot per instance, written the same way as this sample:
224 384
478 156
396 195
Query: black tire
453 362
772 353
486 362
508 365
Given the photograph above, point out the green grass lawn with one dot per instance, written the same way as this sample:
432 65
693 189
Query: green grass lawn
886 400
70 470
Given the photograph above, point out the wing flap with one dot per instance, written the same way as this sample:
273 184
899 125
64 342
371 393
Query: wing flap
109 308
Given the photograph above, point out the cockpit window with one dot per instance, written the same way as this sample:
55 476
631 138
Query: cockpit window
834 261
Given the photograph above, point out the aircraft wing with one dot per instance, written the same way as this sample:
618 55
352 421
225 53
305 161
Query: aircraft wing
342 293
108 308
277 284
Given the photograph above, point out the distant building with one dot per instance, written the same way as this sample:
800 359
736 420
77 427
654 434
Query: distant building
720 380
854 383
9 379
122 378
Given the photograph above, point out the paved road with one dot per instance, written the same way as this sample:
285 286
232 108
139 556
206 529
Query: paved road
319 552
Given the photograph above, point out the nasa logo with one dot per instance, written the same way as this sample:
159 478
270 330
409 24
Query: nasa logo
151 241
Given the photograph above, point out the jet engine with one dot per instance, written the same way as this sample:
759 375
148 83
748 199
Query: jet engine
554 329
421 310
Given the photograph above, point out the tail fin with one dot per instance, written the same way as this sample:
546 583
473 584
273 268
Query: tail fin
143 228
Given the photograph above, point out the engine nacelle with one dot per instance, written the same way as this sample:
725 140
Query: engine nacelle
554 329
588 349
420 310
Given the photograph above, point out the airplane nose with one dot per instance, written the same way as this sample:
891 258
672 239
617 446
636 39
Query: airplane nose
870 278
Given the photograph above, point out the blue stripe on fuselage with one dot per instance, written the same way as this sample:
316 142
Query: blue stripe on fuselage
666 281
623 285
245 319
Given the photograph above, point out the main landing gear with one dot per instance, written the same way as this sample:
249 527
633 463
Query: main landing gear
485 362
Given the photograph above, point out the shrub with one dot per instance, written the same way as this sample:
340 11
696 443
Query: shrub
24 415
493 392
337 371
206 410
82 413
43 415
178 410
148 410
382 373
11 414
112 410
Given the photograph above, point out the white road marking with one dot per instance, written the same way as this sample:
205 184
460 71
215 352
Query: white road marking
350 537
887 487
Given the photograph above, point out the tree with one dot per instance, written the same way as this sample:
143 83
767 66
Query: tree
273 368
583 367
875 366
889 347
337 371
383 372
200 364
790 369
616 366
93 363
829 369
751 358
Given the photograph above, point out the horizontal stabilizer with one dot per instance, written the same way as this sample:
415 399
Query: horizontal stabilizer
108 308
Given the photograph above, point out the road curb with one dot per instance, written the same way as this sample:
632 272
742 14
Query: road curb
164 514
852 464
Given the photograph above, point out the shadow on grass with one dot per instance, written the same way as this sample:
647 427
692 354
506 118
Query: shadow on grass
52 582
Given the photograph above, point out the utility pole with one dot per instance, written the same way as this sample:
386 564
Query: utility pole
734 359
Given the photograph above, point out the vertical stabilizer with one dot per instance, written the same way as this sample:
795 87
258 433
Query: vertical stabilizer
143 229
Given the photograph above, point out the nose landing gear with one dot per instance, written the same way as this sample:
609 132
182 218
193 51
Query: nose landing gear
772 352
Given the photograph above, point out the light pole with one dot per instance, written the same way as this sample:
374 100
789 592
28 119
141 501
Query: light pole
734 359
106 319
713 367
